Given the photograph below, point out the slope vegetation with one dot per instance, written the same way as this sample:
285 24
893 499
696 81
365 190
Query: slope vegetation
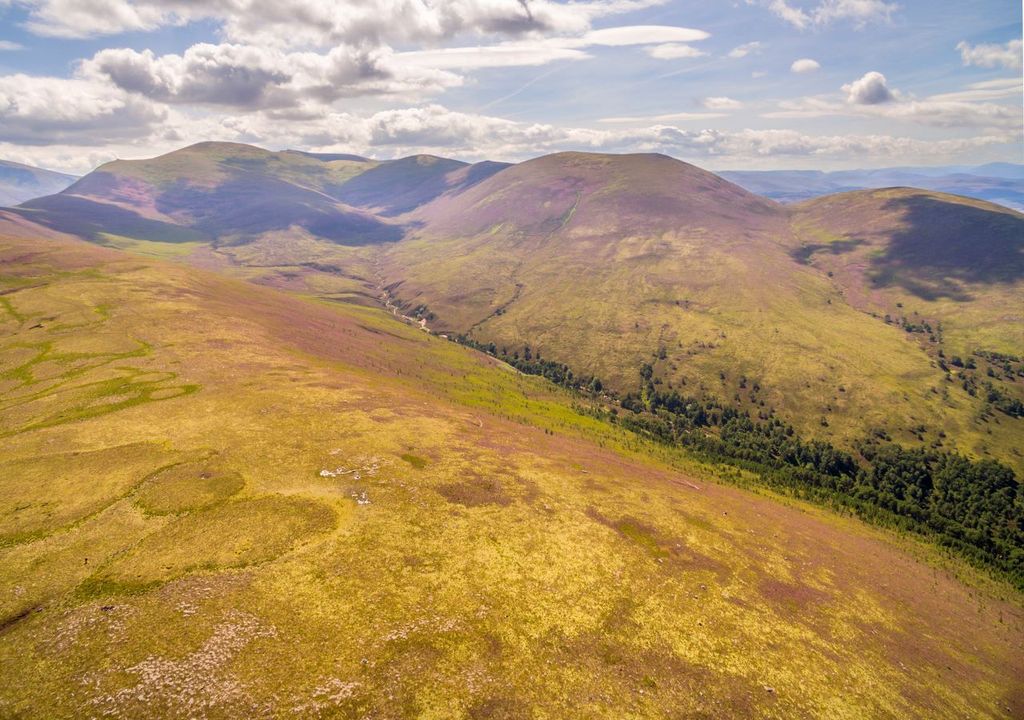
608 263
221 500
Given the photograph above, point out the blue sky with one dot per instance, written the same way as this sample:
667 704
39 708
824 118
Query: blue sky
759 84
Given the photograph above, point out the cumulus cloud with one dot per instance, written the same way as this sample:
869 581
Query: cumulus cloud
437 129
260 77
742 51
872 89
992 55
871 97
674 51
722 103
805 65
41 110
434 128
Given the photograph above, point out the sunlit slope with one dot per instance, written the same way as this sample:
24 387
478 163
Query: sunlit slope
933 256
609 262
218 500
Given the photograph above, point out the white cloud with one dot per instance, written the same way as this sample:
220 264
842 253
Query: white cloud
793 15
6 45
435 129
486 56
805 65
722 103
43 110
325 24
742 51
643 35
985 90
992 55
826 12
665 38
860 12
871 97
674 51
668 117
260 77
872 89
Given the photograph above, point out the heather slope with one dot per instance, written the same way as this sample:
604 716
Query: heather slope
610 262
222 500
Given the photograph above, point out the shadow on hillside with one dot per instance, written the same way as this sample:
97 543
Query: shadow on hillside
803 254
945 245
90 220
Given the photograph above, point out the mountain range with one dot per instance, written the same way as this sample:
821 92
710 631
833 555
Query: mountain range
839 310
1001 183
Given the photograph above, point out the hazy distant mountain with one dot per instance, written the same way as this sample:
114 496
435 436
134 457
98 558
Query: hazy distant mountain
19 183
1001 183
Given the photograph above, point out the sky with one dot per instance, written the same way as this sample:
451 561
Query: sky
724 84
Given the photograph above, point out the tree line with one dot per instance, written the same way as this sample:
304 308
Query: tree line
973 507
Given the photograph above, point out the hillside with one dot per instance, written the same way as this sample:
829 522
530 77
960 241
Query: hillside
223 500
19 183
219 193
608 263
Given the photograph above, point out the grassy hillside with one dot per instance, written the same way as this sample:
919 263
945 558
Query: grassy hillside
222 500
606 263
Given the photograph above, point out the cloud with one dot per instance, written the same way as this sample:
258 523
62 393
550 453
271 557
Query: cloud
315 23
985 90
43 110
436 129
258 77
722 103
666 38
674 51
643 35
742 51
871 89
858 12
871 97
668 117
992 55
793 15
805 65
9 45
519 54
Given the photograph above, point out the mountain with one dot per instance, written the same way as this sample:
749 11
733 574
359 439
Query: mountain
398 186
19 183
224 193
813 313
227 500
1001 183
838 316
